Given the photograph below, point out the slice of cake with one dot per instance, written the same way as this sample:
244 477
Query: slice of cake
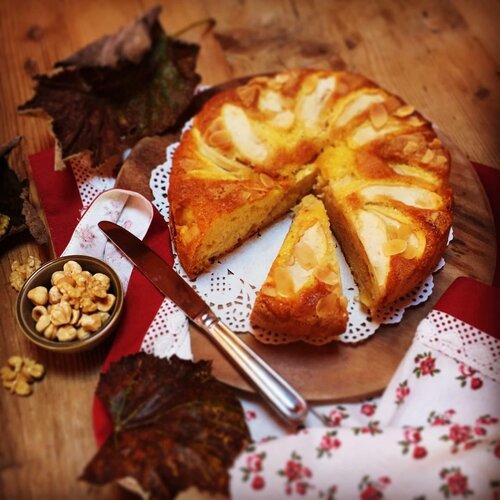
302 294
391 216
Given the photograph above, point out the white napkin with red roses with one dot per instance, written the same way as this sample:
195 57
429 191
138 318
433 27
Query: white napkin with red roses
434 433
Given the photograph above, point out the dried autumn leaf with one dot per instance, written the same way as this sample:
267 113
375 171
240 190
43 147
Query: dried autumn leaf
16 211
122 87
174 426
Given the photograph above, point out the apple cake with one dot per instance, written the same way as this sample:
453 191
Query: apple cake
302 294
255 150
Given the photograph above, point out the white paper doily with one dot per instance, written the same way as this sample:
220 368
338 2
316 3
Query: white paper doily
231 284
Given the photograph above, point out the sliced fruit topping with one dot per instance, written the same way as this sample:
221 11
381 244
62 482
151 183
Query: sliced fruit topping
327 305
242 134
366 133
310 106
266 181
248 94
327 274
283 120
315 238
356 106
304 255
394 247
373 236
409 195
399 229
428 156
283 281
404 111
219 139
270 102
413 171
378 115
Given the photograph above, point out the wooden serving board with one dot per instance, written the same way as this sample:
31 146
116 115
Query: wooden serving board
348 372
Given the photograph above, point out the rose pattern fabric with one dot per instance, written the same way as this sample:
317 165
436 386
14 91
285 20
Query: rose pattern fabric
426 365
296 475
469 377
433 434
373 489
329 442
411 442
456 483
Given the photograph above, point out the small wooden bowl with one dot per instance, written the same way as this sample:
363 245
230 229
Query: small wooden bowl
41 277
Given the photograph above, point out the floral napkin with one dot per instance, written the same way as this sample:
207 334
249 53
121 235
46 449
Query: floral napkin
434 433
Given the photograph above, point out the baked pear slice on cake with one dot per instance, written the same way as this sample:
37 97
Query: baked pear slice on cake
301 297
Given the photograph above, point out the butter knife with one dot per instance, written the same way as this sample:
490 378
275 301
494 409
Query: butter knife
281 396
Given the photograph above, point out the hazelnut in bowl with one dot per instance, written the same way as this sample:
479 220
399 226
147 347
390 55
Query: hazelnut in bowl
70 304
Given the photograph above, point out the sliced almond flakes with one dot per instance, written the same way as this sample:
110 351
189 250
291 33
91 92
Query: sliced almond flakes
378 115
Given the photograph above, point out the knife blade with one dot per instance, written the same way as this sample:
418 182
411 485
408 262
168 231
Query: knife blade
281 396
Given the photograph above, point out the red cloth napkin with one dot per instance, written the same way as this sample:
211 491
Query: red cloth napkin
61 203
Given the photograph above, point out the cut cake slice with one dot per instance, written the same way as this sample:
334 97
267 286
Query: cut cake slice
301 297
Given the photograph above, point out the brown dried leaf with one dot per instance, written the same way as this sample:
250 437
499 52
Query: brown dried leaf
174 426
16 211
122 87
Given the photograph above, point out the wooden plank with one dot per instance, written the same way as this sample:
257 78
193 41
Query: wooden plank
444 61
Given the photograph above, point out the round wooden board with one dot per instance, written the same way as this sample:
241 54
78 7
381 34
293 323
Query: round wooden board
344 372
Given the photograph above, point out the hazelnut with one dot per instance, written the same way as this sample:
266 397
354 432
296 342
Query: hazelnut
39 295
42 323
16 362
66 333
61 313
38 311
88 306
75 316
82 334
33 369
55 295
20 374
21 387
7 373
50 332
72 267
103 279
56 276
91 323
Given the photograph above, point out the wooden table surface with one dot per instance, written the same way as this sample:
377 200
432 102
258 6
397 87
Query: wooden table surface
441 56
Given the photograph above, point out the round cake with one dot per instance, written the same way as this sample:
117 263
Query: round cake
255 151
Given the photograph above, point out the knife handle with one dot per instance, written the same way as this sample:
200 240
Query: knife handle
284 399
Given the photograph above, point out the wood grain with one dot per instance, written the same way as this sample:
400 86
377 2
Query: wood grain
440 56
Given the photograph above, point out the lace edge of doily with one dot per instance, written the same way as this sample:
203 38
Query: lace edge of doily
454 342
